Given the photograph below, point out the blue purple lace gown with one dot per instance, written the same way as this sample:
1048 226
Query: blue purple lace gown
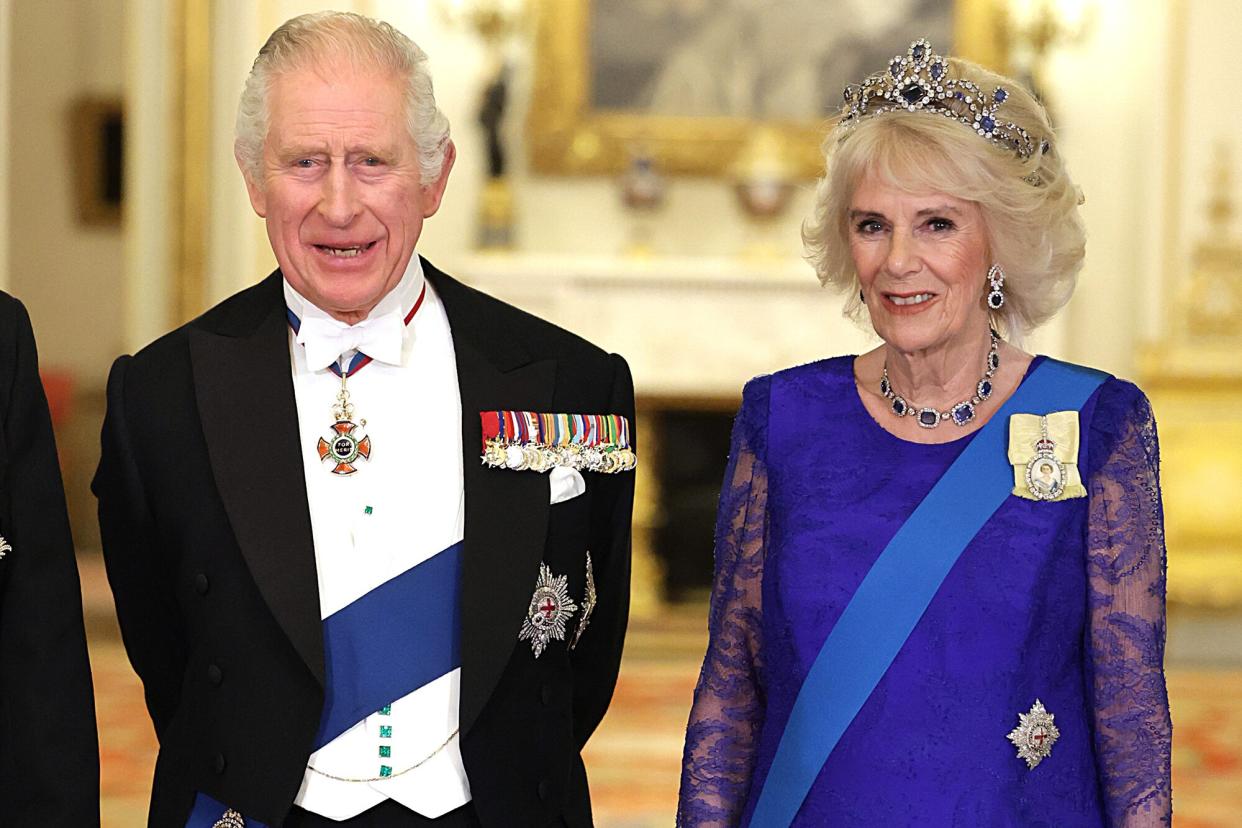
1061 602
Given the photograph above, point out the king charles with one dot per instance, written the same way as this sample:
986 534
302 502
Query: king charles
368 529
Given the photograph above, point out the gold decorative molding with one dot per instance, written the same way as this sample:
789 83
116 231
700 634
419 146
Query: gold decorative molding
1194 380
566 136
191 143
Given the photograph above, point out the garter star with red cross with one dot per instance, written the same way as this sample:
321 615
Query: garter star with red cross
549 612
1035 735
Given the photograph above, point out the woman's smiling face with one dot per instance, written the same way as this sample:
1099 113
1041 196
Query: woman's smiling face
922 260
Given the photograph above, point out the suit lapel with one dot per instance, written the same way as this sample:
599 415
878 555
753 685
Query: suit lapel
506 512
250 422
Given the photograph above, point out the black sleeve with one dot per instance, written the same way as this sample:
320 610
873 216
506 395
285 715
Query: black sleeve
49 751
142 585
597 658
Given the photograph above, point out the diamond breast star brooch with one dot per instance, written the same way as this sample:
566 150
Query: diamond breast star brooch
1035 735
549 612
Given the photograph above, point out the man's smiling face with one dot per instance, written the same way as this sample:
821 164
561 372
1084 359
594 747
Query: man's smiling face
339 185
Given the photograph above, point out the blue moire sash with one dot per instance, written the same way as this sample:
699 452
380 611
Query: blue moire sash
208 811
385 645
390 642
899 587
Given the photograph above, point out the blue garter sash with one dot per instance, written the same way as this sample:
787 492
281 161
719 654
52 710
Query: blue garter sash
385 645
208 811
899 587
390 642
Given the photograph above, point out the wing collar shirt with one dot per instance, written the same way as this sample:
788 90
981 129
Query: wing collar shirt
403 506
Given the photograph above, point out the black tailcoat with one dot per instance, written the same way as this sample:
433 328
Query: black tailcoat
49 754
207 539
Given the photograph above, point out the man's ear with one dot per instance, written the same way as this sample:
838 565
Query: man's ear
433 193
258 198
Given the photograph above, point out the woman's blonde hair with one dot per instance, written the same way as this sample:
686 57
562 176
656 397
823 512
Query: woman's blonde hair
1029 206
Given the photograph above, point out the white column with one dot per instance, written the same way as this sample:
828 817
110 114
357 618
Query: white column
149 232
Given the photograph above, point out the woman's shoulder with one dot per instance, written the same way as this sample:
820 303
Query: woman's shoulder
823 372
1118 412
1113 394
810 380
830 369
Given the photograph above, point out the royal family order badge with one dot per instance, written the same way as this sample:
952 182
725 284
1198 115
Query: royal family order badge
549 612
1035 735
1043 450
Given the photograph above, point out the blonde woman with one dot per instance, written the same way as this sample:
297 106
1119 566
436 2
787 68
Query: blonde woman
940 564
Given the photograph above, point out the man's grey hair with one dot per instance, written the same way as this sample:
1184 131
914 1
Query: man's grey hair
315 39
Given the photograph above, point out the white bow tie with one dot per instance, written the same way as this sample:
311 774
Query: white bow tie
326 339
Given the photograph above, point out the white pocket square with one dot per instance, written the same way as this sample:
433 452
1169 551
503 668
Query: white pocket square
565 483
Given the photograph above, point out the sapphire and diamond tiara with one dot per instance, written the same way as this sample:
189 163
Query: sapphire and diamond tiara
920 80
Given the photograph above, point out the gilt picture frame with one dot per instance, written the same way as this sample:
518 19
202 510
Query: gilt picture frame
616 77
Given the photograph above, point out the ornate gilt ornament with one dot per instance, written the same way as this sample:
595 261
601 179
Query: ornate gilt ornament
1035 735
1194 380
549 612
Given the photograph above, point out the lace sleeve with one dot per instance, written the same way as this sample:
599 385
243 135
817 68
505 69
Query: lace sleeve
1126 567
728 702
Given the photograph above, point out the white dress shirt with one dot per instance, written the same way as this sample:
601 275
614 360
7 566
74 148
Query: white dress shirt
412 484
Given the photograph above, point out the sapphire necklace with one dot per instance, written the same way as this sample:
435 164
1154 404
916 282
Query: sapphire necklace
960 414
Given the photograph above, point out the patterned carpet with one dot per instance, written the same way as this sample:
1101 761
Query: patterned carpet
634 759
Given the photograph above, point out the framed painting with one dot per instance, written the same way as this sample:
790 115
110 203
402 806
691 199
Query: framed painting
687 81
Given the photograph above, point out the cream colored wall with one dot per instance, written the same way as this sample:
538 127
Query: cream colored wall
1108 94
149 74
1206 117
6 73
69 275
1112 106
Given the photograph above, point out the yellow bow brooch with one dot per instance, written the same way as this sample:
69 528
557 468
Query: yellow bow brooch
1043 451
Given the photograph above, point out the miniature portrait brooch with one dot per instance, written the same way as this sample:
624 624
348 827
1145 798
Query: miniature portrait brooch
1043 450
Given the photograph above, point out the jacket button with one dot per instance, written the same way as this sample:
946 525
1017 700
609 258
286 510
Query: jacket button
201 584
545 694
542 789
214 674
218 763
